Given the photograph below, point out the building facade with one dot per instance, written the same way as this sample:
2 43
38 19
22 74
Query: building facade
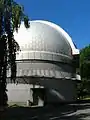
46 65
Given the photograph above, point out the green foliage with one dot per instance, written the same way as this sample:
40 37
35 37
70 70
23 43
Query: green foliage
85 62
18 16
83 88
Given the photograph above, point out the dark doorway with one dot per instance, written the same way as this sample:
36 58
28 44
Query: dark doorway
39 93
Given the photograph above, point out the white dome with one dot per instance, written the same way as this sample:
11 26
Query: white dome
44 36
44 47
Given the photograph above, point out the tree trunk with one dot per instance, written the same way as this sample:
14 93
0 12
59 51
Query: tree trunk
3 69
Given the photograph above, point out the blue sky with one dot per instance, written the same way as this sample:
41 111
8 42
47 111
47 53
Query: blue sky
72 15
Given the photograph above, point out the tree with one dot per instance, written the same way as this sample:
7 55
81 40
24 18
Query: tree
11 15
85 62
84 86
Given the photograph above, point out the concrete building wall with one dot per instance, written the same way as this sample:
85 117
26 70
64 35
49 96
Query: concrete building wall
19 93
56 91
62 91
59 90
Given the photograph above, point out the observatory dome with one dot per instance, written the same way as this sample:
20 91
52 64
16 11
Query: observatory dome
43 37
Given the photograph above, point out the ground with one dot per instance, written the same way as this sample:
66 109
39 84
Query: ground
57 112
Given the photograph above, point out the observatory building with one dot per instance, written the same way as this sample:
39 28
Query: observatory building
47 65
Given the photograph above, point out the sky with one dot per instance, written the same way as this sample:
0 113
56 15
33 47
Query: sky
72 15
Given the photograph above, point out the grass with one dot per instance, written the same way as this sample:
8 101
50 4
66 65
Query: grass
86 98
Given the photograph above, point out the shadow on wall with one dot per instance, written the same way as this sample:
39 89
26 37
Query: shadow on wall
57 94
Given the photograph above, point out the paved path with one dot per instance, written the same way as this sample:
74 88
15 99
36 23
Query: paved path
64 112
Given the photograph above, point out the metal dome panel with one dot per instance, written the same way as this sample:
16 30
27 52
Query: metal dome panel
43 39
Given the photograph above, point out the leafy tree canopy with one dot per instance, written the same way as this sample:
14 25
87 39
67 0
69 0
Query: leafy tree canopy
85 62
